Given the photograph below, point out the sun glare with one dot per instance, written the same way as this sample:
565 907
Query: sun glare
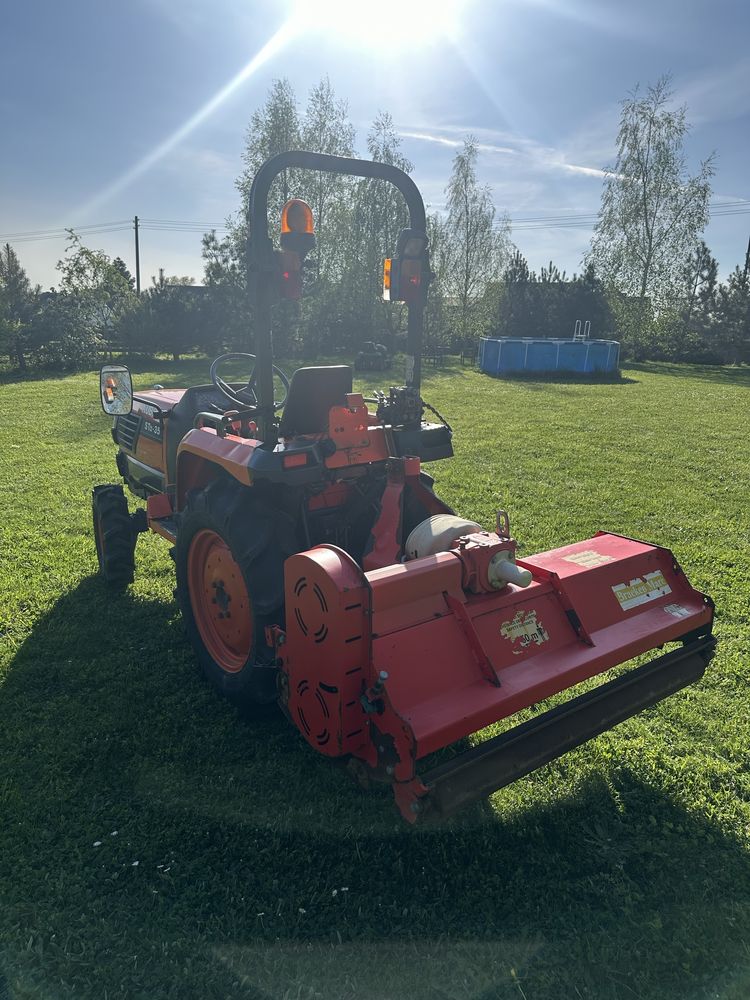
377 26
384 24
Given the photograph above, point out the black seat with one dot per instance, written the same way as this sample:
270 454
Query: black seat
312 392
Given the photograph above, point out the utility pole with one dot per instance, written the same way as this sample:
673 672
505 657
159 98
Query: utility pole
747 259
137 259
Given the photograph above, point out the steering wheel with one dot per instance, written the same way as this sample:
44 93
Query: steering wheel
245 396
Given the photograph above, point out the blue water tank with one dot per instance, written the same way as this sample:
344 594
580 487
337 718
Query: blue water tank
500 355
603 356
572 356
542 356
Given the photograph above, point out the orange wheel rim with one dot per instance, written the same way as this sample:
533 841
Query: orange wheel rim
220 602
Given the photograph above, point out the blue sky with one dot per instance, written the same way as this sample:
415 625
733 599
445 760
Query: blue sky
96 101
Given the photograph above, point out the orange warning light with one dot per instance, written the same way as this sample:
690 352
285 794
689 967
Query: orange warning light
387 267
297 217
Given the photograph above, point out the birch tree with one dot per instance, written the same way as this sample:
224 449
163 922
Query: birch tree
653 211
476 246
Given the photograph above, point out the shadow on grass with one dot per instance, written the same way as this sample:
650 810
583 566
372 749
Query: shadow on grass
152 845
563 378
722 374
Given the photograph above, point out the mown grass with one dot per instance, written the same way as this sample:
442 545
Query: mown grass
234 862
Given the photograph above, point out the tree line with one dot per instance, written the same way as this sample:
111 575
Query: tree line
648 279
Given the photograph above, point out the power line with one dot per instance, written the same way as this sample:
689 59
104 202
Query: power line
101 228
65 235
575 220
42 233
178 222
582 220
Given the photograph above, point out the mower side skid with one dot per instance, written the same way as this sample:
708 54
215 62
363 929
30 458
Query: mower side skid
504 759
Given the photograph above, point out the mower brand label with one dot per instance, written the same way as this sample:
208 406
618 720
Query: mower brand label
589 558
641 591
524 629
677 610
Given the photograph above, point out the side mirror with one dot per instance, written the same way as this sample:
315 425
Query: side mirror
116 388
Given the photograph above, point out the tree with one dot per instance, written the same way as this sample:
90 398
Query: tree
379 216
225 319
438 330
733 315
119 264
274 128
18 303
172 318
476 247
652 211
326 129
99 287
697 306
514 309
62 335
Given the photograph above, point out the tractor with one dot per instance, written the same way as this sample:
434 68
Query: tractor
372 357
318 569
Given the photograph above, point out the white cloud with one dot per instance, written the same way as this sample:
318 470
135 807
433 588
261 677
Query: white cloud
533 155
442 140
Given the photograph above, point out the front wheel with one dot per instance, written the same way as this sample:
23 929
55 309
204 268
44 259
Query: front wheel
114 534
229 560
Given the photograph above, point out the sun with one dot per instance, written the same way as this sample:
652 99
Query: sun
382 24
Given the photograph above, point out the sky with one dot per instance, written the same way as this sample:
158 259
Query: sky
112 110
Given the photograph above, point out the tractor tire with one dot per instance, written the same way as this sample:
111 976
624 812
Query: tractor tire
229 561
114 535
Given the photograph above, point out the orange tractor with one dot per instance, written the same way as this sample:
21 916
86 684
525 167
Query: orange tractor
318 569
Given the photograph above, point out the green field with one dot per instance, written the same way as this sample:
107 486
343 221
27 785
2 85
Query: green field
152 845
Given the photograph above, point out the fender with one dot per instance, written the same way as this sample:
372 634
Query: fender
202 453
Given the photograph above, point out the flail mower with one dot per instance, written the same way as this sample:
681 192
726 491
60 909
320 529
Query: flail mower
317 567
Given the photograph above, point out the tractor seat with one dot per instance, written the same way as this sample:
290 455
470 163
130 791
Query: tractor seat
312 393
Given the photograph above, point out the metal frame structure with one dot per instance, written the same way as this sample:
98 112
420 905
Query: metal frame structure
263 268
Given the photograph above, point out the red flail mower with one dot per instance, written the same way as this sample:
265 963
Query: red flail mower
318 569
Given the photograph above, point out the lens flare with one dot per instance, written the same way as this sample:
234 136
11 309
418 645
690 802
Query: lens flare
275 44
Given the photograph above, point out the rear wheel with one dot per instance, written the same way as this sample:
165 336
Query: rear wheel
114 535
229 560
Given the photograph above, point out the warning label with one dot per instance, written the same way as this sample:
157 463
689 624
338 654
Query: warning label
524 629
588 558
641 591
677 610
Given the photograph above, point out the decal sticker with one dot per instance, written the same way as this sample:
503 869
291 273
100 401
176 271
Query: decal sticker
677 610
524 627
589 558
151 429
641 591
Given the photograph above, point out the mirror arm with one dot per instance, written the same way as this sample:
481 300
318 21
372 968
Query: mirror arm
160 414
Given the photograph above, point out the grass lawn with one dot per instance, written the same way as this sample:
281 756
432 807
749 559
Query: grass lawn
152 845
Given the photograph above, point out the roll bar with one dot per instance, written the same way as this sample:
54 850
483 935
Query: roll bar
262 266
